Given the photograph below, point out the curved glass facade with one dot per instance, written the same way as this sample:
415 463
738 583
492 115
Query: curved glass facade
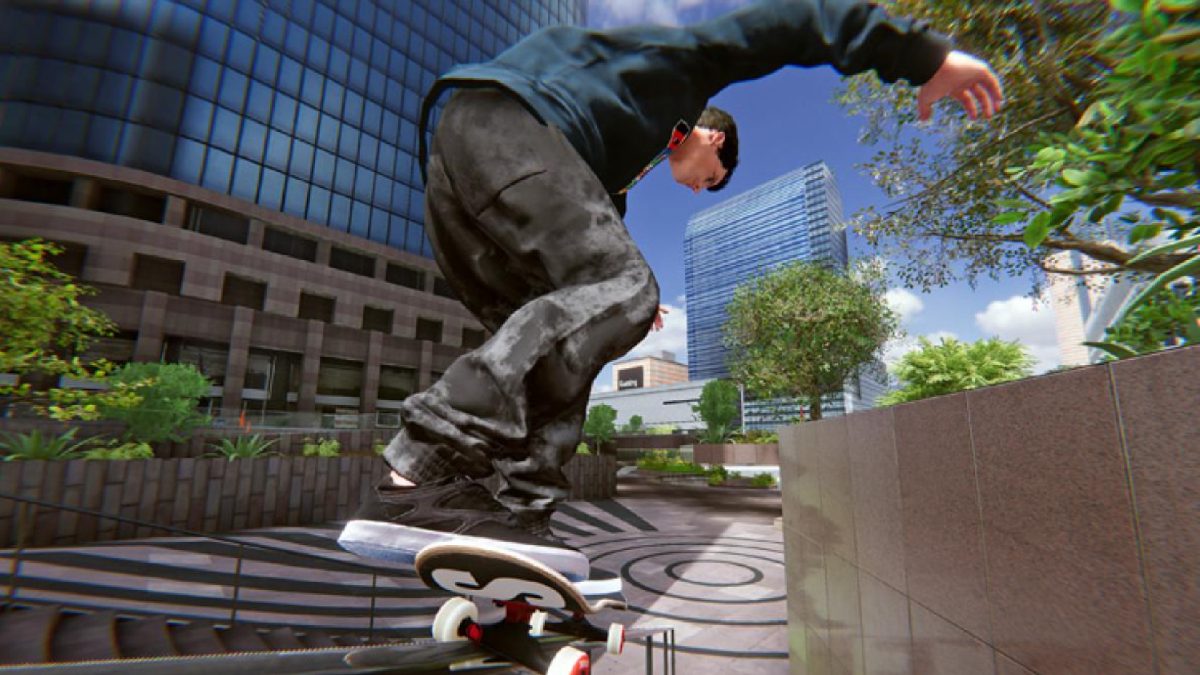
305 106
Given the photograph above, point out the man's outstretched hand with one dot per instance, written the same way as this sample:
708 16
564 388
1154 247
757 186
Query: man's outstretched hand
658 318
968 80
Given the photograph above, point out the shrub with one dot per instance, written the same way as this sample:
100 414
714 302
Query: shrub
242 447
324 447
668 461
34 445
583 449
124 451
763 480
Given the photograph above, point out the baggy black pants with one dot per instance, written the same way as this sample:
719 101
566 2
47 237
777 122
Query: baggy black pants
530 241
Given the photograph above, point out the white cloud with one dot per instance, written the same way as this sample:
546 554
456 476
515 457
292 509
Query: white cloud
903 302
1025 320
896 349
672 337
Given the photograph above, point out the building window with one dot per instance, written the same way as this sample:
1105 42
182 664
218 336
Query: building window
408 277
284 243
243 292
157 274
428 329
377 319
349 261
316 307
471 338
442 287
219 224
131 204
210 358
396 383
40 189
339 378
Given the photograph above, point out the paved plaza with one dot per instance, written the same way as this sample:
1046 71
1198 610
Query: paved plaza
707 562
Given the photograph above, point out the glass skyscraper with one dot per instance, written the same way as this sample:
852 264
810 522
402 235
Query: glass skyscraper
793 217
308 107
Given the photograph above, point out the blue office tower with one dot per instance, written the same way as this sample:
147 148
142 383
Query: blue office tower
308 107
793 217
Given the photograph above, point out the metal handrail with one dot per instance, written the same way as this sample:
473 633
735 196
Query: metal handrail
22 517
668 634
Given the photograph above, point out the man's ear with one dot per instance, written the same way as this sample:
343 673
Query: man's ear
718 139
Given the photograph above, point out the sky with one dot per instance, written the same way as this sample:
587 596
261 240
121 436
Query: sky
785 121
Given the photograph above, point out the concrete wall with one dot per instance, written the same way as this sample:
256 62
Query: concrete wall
1049 526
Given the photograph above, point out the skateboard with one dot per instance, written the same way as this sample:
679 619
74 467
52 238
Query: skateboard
527 590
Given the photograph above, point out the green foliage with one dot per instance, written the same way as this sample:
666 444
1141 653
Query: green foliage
1138 140
668 461
1165 319
34 445
379 448
242 447
583 449
801 330
756 436
324 447
1099 108
44 330
167 396
763 480
718 474
951 365
634 426
601 423
718 408
661 430
123 451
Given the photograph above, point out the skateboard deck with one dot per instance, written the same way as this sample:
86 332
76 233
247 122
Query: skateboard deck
497 574
522 586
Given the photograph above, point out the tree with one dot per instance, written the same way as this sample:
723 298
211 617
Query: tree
1138 141
951 365
1166 319
634 426
1055 61
600 424
166 408
718 408
44 330
801 330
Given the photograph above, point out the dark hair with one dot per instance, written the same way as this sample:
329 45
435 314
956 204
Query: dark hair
719 120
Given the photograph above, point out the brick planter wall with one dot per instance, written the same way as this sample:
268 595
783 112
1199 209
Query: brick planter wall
1047 526
736 453
209 495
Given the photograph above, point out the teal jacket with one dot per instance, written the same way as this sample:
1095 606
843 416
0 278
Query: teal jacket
617 94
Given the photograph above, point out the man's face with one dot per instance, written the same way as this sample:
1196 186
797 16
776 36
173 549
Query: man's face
694 164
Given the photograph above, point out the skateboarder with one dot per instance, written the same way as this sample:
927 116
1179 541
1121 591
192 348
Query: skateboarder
525 194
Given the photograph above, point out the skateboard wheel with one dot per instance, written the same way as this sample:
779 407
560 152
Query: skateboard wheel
616 638
537 624
570 661
451 616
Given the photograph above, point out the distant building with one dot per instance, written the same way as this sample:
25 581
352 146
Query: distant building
648 371
668 405
796 216
1074 299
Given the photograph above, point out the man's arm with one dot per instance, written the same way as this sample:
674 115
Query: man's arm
850 35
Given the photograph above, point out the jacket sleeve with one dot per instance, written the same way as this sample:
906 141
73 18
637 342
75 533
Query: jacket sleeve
850 35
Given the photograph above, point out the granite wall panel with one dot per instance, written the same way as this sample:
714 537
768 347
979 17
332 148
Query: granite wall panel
1049 526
